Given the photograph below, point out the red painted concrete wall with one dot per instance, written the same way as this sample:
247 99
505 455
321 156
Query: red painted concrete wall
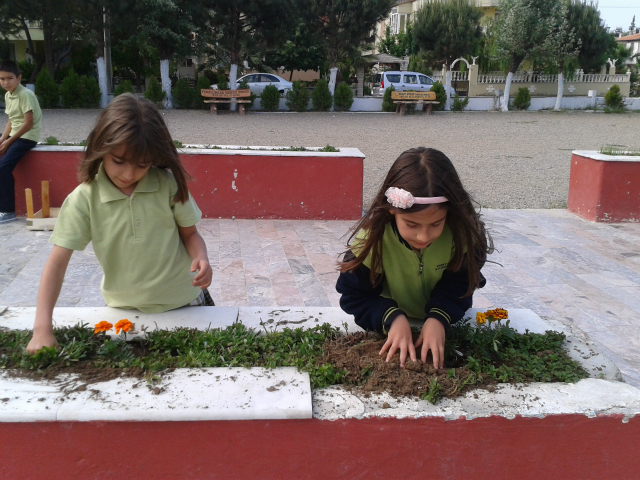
604 191
559 447
242 186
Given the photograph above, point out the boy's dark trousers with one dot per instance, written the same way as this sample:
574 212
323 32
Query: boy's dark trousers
8 162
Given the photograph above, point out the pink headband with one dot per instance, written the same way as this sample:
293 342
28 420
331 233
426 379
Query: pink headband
400 198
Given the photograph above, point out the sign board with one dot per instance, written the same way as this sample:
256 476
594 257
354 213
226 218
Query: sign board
206 92
413 95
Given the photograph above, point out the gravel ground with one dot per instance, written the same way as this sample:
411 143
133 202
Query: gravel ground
505 160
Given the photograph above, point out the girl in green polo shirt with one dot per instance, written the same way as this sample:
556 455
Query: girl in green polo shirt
134 206
415 256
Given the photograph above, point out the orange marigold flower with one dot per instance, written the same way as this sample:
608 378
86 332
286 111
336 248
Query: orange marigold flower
481 318
102 327
124 325
499 313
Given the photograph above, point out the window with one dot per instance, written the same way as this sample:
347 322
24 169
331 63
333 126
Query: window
424 80
393 77
411 79
269 78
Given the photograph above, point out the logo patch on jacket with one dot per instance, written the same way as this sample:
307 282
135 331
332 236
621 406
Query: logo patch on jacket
441 266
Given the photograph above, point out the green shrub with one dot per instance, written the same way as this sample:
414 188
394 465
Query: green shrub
459 105
51 140
70 90
441 95
222 84
47 90
387 103
89 92
26 69
343 97
252 97
154 91
182 94
321 99
366 90
522 99
203 82
297 98
270 98
613 98
124 87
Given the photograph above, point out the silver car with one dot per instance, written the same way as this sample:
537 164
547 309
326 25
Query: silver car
257 82
405 81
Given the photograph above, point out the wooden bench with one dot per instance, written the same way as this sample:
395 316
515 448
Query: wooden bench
226 96
426 99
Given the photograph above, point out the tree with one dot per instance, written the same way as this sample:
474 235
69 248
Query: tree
300 51
399 45
448 30
234 24
343 26
520 33
594 40
561 46
168 25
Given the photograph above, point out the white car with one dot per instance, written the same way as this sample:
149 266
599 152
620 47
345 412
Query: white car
257 82
405 81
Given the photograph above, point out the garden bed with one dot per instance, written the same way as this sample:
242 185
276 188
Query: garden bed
605 188
192 421
230 181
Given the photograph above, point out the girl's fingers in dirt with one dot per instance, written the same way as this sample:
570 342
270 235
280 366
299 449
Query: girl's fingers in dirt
412 352
385 347
392 352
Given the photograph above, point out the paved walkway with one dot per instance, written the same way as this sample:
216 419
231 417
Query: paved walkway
552 262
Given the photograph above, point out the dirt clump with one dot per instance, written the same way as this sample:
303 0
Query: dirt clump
368 372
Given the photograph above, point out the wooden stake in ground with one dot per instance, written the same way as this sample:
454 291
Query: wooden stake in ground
29 197
45 199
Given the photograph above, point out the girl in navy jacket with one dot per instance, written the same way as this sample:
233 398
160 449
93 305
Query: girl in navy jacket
415 256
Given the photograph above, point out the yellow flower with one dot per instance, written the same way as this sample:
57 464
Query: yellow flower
124 325
481 318
102 327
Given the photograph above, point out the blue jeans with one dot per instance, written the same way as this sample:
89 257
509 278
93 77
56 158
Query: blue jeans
8 162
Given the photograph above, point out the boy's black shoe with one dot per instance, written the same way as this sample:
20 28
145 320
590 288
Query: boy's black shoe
7 217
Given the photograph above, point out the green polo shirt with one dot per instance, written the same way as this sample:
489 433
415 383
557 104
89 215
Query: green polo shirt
146 266
21 101
409 279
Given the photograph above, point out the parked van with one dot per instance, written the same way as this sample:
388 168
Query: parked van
405 81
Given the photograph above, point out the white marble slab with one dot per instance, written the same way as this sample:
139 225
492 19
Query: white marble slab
182 395
23 400
279 318
589 397
202 318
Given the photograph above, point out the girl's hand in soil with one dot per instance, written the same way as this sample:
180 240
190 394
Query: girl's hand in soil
41 339
399 338
205 273
432 338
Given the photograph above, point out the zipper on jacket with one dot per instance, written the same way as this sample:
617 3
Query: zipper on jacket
420 271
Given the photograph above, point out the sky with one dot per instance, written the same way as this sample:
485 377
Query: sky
619 13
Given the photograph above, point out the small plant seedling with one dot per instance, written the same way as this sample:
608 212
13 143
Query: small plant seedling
51 141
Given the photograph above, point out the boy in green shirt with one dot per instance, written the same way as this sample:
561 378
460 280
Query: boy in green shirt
20 135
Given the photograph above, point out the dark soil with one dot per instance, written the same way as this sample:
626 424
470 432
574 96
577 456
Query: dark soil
370 373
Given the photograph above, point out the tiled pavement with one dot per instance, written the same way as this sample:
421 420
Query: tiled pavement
554 263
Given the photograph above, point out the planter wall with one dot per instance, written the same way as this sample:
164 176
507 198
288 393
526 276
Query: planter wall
229 183
605 188
556 447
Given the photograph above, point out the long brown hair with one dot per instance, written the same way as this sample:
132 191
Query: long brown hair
136 123
425 172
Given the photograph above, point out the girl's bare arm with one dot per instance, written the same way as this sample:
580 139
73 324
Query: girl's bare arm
50 286
197 250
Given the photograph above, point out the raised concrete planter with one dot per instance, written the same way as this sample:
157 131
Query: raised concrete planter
230 182
195 424
605 188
